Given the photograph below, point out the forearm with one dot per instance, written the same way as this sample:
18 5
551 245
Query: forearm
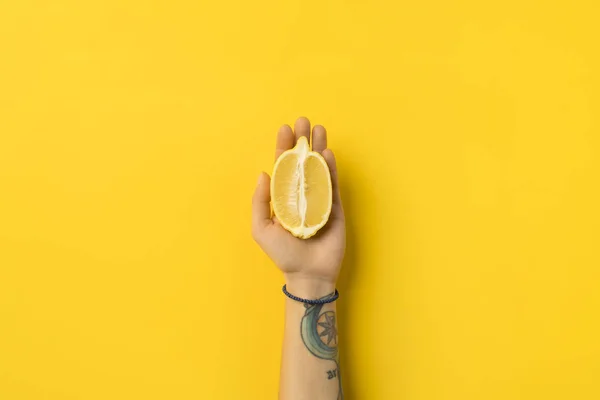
310 361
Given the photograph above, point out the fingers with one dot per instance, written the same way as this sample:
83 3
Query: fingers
302 128
285 140
337 209
319 138
261 209
330 158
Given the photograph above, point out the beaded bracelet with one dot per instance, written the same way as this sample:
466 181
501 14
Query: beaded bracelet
325 300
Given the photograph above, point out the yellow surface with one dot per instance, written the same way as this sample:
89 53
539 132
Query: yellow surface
131 137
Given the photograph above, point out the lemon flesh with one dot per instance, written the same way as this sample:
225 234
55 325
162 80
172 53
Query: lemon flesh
301 190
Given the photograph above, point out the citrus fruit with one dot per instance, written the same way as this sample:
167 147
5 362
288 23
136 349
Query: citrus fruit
301 190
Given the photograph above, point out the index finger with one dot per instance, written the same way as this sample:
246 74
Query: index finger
285 140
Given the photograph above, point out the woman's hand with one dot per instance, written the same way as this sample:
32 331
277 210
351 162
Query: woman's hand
311 266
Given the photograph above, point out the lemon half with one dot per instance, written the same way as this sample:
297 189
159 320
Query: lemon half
301 191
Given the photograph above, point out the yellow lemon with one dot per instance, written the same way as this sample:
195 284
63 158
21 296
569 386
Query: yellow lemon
301 190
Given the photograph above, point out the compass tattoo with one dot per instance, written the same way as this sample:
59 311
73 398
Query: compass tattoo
319 334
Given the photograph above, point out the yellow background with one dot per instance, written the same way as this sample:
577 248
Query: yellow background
131 137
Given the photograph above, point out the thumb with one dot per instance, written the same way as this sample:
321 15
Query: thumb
261 209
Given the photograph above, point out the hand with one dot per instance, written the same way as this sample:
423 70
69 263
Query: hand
310 266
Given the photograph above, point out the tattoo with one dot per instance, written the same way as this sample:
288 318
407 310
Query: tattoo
319 334
329 330
332 373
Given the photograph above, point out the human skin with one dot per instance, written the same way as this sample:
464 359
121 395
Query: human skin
310 360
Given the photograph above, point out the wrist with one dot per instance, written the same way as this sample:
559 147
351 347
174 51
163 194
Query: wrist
309 287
